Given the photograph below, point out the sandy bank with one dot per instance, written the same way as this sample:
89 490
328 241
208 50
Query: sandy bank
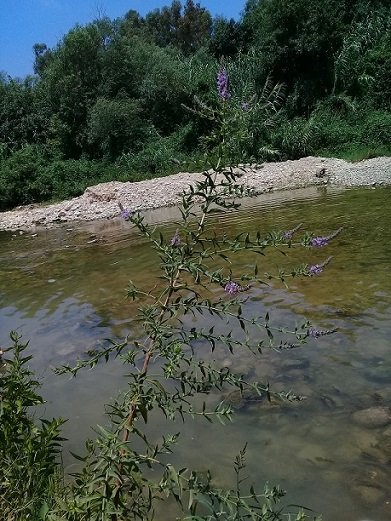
101 201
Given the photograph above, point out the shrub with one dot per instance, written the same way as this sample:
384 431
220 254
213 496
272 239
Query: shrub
36 173
125 474
19 174
29 466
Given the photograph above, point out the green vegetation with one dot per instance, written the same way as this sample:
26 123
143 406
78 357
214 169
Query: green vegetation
29 475
198 303
112 95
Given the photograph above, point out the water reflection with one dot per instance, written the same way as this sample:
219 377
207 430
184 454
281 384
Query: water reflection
64 291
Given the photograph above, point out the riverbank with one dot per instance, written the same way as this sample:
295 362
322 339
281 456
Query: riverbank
102 201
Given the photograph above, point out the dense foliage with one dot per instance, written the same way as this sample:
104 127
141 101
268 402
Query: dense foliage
124 474
109 101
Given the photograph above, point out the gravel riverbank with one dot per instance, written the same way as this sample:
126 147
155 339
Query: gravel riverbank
101 201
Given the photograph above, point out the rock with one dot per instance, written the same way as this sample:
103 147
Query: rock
238 400
368 494
387 432
321 172
380 373
295 364
373 417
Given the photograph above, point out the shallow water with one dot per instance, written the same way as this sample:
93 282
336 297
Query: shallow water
63 289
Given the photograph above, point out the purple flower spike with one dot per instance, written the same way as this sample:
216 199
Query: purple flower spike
246 106
125 214
176 240
314 333
316 269
232 288
289 234
222 84
320 242
317 333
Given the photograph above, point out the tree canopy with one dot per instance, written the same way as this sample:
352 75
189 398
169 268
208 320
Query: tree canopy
116 91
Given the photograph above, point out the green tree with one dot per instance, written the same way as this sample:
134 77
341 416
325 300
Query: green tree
163 24
43 57
225 40
71 83
194 27
299 39
22 121
363 65
186 28
117 126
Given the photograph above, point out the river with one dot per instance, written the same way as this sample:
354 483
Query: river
64 291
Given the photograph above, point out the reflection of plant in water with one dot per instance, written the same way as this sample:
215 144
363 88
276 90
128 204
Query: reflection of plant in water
125 474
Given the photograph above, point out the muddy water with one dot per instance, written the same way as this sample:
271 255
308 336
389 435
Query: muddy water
63 290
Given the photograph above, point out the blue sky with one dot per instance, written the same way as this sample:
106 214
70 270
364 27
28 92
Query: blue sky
26 22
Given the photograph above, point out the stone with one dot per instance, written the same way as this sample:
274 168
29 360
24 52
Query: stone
373 417
368 494
238 400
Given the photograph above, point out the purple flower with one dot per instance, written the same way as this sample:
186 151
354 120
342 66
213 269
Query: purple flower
176 240
232 288
125 214
320 242
246 105
314 333
289 234
316 269
222 84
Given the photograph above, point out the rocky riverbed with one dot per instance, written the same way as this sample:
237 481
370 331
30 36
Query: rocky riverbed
102 201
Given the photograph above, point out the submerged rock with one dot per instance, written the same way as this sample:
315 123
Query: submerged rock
372 417
239 400
368 494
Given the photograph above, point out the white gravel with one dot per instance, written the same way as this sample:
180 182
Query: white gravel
101 201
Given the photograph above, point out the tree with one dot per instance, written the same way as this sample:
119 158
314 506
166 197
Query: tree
71 83
116 127
226 38
43 57
363 65
299 39
194 27
163 24
188 30
22 121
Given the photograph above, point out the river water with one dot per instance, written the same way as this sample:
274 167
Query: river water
64 291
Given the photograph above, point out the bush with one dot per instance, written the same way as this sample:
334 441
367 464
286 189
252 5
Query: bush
294 139
64 179
36 173
125 474
28 449
160 156
19 174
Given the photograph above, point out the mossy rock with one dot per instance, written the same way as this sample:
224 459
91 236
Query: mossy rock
240 399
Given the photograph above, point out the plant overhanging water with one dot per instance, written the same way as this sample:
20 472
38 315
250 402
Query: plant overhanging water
125 475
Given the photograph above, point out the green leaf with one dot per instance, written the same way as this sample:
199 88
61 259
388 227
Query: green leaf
43 511
143 411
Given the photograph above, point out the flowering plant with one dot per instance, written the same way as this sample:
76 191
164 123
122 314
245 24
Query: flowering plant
116 482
